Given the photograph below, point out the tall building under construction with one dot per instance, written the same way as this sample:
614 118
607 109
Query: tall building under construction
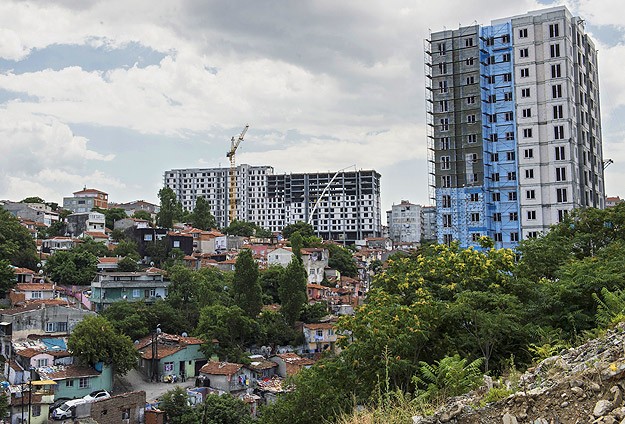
514 126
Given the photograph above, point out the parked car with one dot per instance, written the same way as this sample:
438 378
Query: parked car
66 410
97 395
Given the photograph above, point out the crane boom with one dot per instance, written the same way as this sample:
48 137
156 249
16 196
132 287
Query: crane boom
234 145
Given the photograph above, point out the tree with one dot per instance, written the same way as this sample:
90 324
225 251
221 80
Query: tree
72 267
270 280
127 264
341 259
175 404
157 251
33 199
141 214
241 228
292 290
201 217
95 340
57 228
231 326
96 248
306 230
169 208
127 248
7 276
16 244
223 410
274 330
297 242
247 292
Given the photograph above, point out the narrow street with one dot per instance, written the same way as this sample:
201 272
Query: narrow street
134 381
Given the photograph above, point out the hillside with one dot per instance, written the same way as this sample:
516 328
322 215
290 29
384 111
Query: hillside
581 385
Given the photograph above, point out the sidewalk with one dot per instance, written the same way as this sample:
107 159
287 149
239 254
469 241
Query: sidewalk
134 381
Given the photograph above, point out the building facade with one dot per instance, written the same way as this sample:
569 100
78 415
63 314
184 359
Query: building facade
405 223
85 200
514 126
348 207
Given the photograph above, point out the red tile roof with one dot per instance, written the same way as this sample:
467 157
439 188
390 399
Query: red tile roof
220 368
34 286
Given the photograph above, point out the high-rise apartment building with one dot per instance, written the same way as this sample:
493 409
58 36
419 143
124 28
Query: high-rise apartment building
349 208
405 223
514 126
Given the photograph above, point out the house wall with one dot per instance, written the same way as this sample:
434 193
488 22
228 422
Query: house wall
35 321
104 381
124 408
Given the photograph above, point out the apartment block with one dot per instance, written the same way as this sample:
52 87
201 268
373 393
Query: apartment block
405 222
514 130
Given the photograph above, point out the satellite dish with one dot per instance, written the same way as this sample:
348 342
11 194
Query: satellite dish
124 297
184 334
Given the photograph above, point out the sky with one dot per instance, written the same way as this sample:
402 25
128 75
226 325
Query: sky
110 94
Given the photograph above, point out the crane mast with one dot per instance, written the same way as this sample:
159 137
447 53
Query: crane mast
232 188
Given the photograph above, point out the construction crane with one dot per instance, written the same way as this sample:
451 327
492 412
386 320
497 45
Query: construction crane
234 144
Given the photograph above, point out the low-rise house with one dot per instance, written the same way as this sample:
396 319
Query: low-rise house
97 236
37 212
109 287
58 243
290 363
85 200
124 408
33 353
74 381
281 256
225 376
82 222
126 223
163 355
261 369
317 292
23 275
24 292
315 261
30 403
107 263
320 337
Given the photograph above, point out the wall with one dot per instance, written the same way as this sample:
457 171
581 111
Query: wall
114 410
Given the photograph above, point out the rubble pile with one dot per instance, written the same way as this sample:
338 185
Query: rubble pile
585 384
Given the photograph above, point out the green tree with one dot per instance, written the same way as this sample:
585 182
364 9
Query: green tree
128 318
7 276
95 340
96 248
341 259
305 230
201 217
127 264
270 280
57 228
314 312
33 199
241 228
158 251
141 214
297 242
170 208
4 405
292 290
175 404
127 248
118 235
247 292
223 410
231 326
16 244
72 267
274 330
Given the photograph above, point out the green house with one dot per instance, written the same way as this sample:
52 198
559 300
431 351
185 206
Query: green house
76 381
165 355
109 287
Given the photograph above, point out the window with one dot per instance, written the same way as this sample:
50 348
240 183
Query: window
562 214
507 77
147 237
469 61
494 137
560 174
495 177
511 176
446 201
507 97
471 100
169 366
528 153
514 216
472 157
475 197
555 50
524 52
35 410
508 116
532 234
525 92
468 42
560 154
42 362
505 39
510 155
529 173
444 143
557 112
556 71
475 236
446 220
530 194
527 113
523 33
556 91
84 382
492 98
527 133
497 237
497 217
475 217
444 124
442 86
505 57
514 236
445 163
136 293
561 195
471 119
446 181
176 243
558 132
447 239
442 68
494 157
496 197
510 135
441 49
470 80
512 195
531 215
525 72
554 30
69 383
472 138
443 106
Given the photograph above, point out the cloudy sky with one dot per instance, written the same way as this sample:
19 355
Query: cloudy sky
110 94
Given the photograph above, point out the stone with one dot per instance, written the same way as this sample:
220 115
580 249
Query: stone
576 383
509 419
619 413
602 408
564 404
577 391
488 382
417 419
617 396
540 421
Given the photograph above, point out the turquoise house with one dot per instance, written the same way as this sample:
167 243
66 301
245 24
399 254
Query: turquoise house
165 355
75 381
109 287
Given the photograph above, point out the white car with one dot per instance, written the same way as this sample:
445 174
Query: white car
65 410
97 395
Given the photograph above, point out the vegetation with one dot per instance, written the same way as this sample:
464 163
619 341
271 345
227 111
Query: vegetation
304 229
201 217
72 267
214 410
245 287
16 244
170 208
7 276
111 215
245 229
292 290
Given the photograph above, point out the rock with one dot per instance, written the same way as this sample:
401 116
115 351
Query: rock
619 413
594 387
576 383
617 396
488 382
540 421
577 391
417 419
564 404
509 419
602 407
451 414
